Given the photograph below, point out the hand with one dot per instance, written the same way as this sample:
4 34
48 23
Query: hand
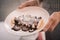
53 21
30 3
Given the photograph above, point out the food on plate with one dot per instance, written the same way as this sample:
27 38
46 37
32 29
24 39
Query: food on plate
25 23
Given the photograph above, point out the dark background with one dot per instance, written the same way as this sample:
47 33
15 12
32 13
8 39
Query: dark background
52 6
7 6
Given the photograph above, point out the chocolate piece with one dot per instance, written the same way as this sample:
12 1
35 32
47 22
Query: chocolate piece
19 24
30 27
16 22
16 28
35 17
24 29
39 17
24 24
34 29
31 30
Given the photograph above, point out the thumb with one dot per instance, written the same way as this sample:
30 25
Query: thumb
28 3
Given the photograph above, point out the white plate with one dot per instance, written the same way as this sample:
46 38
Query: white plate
34 11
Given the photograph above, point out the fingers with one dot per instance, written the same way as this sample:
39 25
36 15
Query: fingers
53 25
48 25
56 15
56 19
53 21
24 5
28 3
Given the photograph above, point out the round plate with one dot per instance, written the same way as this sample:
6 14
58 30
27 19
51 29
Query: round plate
34 11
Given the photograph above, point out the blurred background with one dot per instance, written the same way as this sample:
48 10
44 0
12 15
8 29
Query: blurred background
7 6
